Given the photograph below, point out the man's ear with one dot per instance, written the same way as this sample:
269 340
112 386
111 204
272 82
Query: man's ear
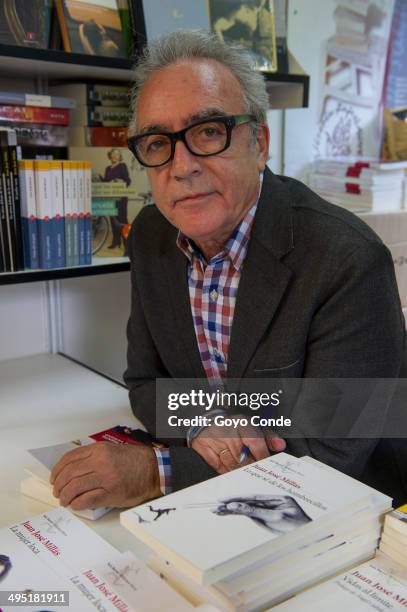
262 146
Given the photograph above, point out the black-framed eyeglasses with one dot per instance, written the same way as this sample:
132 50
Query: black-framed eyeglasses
204 138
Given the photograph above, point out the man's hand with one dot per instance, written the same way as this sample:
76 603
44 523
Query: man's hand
221 446
104 474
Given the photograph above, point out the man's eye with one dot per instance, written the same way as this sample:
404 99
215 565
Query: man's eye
156 145
210 131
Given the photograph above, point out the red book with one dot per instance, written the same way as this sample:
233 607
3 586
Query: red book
34 114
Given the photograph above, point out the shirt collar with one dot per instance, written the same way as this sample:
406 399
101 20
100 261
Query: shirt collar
235 248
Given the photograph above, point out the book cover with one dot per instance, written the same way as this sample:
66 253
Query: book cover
57 206
43 197
88 94
119 191
378 585
252 24
91 27
15 191
82 136
87 176
30 99
24 23
68 212
269 504
40 134
4 232
8 198
100 116
34 114
75 169
81 213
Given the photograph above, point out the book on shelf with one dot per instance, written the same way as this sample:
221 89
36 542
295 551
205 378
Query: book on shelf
100 116
10 202
17 98
291 518
25 24
33 114
91 27
36 484
119 191
89 94
40 134
56 552
84 136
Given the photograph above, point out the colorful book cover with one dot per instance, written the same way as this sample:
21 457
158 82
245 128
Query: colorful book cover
40 134
87 170
81 213
34 114
30 99
29 214
119 191
88 94
91 27
68 212
75 169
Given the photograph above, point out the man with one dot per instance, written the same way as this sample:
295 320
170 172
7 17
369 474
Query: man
310 290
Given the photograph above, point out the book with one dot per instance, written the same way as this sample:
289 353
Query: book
94 93
83 136
119 191
31 99
24 23
378 585
36 484
55 551
34 114
16 198
57 213
227 505
11 228
91 27
68 212
100 116
43 198
40 134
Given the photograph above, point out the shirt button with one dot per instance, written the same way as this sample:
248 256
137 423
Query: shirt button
213 295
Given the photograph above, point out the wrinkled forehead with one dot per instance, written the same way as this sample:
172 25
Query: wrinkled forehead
188 88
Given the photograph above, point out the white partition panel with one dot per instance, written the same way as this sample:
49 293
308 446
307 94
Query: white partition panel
23 320
94 313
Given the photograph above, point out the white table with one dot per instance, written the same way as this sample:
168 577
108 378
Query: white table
48 399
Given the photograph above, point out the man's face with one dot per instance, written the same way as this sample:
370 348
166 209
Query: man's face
205 197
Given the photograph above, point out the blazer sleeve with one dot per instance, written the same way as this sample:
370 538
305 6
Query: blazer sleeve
356 332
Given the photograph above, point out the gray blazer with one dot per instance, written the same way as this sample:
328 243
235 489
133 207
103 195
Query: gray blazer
317 298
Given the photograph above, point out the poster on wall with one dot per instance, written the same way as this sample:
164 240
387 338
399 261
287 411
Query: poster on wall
346 60
164 16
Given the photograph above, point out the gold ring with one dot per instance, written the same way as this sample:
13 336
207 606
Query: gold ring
224 450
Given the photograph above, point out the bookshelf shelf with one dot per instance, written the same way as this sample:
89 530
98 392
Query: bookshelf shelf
100 265
25 61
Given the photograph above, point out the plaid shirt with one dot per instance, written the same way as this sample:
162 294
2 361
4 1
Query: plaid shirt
213 289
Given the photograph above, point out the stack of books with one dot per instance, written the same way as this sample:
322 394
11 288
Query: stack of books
102 114
56 213
393 542
39 121
360 184
53 561
251 538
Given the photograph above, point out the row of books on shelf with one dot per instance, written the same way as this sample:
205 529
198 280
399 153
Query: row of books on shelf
283 529
45 211
78 114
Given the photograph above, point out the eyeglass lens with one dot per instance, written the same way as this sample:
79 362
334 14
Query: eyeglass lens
206 138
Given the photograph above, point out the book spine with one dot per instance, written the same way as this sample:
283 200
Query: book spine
57 194
64 26
75 212
34 114
4 243
15 186
44 211
68 212
82 136
81 213
28 214
88 211
44 135
9 201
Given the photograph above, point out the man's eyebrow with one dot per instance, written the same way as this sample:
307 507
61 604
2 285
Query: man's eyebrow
207 113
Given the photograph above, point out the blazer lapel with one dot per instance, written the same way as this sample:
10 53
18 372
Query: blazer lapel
264 277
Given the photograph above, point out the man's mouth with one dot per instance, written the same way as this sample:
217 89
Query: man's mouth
194 198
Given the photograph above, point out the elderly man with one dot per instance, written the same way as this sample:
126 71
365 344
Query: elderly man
234 271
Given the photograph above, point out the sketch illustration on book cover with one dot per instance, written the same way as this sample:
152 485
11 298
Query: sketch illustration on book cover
5 566
277 513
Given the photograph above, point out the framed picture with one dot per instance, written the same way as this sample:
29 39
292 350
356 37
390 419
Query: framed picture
250 23
164 16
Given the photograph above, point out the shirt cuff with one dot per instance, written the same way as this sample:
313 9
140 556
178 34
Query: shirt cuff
164 469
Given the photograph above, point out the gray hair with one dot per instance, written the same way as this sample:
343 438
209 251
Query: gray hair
200 44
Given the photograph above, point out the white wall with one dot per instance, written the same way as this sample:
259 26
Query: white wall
23 320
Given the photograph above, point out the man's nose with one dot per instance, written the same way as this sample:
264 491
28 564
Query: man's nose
184 163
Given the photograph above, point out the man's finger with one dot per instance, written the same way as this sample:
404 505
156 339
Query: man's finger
257 446
276 444
78 486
